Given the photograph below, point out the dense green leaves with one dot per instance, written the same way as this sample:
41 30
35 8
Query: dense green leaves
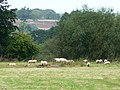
22 46
89 34
40 36
7 20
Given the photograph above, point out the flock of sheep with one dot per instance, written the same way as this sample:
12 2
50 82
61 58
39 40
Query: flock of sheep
63 60
98 61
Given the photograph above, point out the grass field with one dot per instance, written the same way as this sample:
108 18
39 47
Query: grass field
95 77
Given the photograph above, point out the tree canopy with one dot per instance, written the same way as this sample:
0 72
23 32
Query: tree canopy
35 14
87 33
7 20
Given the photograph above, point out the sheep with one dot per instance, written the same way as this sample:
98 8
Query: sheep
99 61
70 61
44 63
57 59
85 60
107 62
60 59
12 64
88 64
32 61
64 60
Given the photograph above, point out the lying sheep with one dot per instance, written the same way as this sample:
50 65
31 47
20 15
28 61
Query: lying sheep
32 61
12 64
106 61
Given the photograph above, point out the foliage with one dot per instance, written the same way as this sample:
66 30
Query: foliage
87 33
22 46
7 20
40 36
24 27
23 13
35 14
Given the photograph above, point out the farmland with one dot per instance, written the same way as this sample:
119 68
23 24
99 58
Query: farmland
95 77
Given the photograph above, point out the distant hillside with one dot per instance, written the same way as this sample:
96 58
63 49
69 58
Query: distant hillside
37 14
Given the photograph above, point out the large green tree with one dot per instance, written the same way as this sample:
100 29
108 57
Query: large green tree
7 20
87 33
22 46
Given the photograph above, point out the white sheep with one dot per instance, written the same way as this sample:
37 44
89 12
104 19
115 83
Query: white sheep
70 61
63 60
60 59
88 64
12 64
99 61
85 60
57 59
44 63
105 60
32 61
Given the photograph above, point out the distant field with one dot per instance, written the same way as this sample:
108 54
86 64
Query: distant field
95 77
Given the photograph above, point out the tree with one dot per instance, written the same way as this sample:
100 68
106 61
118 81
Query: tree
22 46
89 34
25 27
23 13
40 36
7 20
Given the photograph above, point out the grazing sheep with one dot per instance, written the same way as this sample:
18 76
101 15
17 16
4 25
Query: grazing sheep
70 61
57 59
64 60
105 60
88 64
99 61
12 64
60 59
44 63
32 61
85 60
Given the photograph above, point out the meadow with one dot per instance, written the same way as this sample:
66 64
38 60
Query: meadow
95 77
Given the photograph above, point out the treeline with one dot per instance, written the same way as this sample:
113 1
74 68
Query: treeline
86 33
35 14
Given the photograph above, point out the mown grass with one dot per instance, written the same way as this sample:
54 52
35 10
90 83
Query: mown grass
95 77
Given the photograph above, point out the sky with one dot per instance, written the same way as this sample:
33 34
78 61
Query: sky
61 6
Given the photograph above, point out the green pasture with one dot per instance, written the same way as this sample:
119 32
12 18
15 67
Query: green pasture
76 77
